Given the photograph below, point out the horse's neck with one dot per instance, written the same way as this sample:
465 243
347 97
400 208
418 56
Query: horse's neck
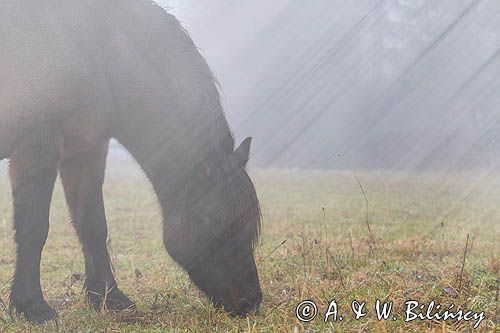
170 111
164 157
168 149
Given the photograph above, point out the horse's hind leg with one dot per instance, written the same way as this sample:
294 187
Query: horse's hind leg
82 176
33 171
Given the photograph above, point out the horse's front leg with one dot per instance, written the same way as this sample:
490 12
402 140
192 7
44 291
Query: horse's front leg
33 171
82 176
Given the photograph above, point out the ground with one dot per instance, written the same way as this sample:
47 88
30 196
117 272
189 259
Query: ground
315 245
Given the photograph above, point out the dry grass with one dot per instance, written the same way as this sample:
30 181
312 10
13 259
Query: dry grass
419 225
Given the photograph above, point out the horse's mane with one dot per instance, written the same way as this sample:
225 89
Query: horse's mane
213 137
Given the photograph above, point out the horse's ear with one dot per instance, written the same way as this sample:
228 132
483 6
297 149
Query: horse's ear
242 153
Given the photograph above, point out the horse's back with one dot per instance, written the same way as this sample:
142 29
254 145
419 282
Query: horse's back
46 73
83 63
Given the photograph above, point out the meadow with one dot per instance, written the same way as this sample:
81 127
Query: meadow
424 237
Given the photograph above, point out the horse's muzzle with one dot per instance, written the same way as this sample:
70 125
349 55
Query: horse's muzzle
245 307
249 303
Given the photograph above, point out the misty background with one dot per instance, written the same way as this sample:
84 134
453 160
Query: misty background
403 85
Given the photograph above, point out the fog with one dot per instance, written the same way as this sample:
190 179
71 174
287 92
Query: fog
410 85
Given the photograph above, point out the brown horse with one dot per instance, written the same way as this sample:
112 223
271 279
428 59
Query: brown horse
73 75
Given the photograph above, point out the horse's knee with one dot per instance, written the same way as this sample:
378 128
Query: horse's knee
33 237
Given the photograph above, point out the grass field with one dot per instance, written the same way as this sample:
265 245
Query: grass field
419 226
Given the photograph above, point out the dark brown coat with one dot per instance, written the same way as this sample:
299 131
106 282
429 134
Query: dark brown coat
73 75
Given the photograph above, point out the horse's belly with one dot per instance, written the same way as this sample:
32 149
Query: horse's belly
4 146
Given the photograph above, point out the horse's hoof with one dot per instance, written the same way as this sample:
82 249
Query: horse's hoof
38 312
118 301
115 300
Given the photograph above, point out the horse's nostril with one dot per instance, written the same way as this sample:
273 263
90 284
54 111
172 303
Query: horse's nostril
244 307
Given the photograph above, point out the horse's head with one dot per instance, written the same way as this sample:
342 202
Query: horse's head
216 232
